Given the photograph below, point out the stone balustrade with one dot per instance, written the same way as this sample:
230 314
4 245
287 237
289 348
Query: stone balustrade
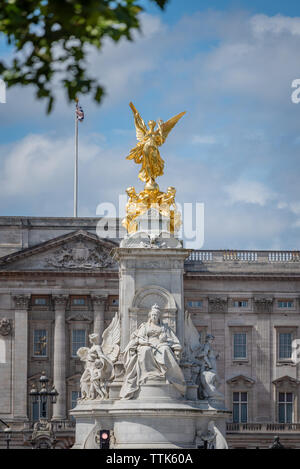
243 256
267 427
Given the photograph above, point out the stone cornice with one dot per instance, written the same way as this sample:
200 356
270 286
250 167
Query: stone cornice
242 276
60 273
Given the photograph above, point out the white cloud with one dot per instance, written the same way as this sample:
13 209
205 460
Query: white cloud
250 192
204 139
295 208
38 171
278 24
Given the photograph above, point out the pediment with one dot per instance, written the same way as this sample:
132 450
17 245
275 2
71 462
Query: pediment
79 250
241 380
286 380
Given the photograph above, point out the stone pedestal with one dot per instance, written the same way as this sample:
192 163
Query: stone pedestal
148 276
151 271
160 422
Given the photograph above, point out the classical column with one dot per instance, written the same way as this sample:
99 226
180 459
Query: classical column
99 302
59 357
20 363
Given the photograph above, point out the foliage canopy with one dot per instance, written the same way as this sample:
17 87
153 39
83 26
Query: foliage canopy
50 39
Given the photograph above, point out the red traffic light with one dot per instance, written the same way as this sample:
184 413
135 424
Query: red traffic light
104 436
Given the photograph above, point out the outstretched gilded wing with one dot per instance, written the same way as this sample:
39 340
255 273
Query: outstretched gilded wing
191 337
166 127
82 353
111 339
140 125
136 153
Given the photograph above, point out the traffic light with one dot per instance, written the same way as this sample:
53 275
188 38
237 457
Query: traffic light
104 439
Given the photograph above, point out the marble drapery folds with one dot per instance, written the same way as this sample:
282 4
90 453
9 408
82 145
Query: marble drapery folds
152 353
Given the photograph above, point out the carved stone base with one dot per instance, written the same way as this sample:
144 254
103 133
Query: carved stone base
157 391
143 423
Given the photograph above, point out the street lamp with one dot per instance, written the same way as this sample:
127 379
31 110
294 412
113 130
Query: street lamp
44 393
7 436
7 431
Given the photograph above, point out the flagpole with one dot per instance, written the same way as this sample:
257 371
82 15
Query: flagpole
76 167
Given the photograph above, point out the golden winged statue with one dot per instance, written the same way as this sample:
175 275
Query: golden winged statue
146 152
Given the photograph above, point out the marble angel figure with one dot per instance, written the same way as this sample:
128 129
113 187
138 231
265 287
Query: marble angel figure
153 353
99 362
146 152
203 360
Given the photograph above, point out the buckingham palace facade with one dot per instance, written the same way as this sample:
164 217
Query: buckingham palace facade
59 283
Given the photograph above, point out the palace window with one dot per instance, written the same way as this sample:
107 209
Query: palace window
240 303
39 410
40 343
78 301
240 407
195 304
78 340
285 345
285 304
239 345
74 396
40 301
285 407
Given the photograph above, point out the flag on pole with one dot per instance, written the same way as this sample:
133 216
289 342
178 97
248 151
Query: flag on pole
79 112
2 91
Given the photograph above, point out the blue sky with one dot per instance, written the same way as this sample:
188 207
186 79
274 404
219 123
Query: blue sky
230 65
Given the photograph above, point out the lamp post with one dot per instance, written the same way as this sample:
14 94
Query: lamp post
7 436
42 429
7 432
41 396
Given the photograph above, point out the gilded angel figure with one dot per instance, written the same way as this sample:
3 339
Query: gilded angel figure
146 152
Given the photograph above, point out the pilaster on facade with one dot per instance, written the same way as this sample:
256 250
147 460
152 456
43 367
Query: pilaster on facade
99 303
20 363
59 371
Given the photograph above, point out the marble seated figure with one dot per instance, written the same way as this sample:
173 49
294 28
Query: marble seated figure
153 353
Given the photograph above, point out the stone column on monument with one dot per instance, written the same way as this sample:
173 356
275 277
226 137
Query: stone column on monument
99 302
20 363
59 358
